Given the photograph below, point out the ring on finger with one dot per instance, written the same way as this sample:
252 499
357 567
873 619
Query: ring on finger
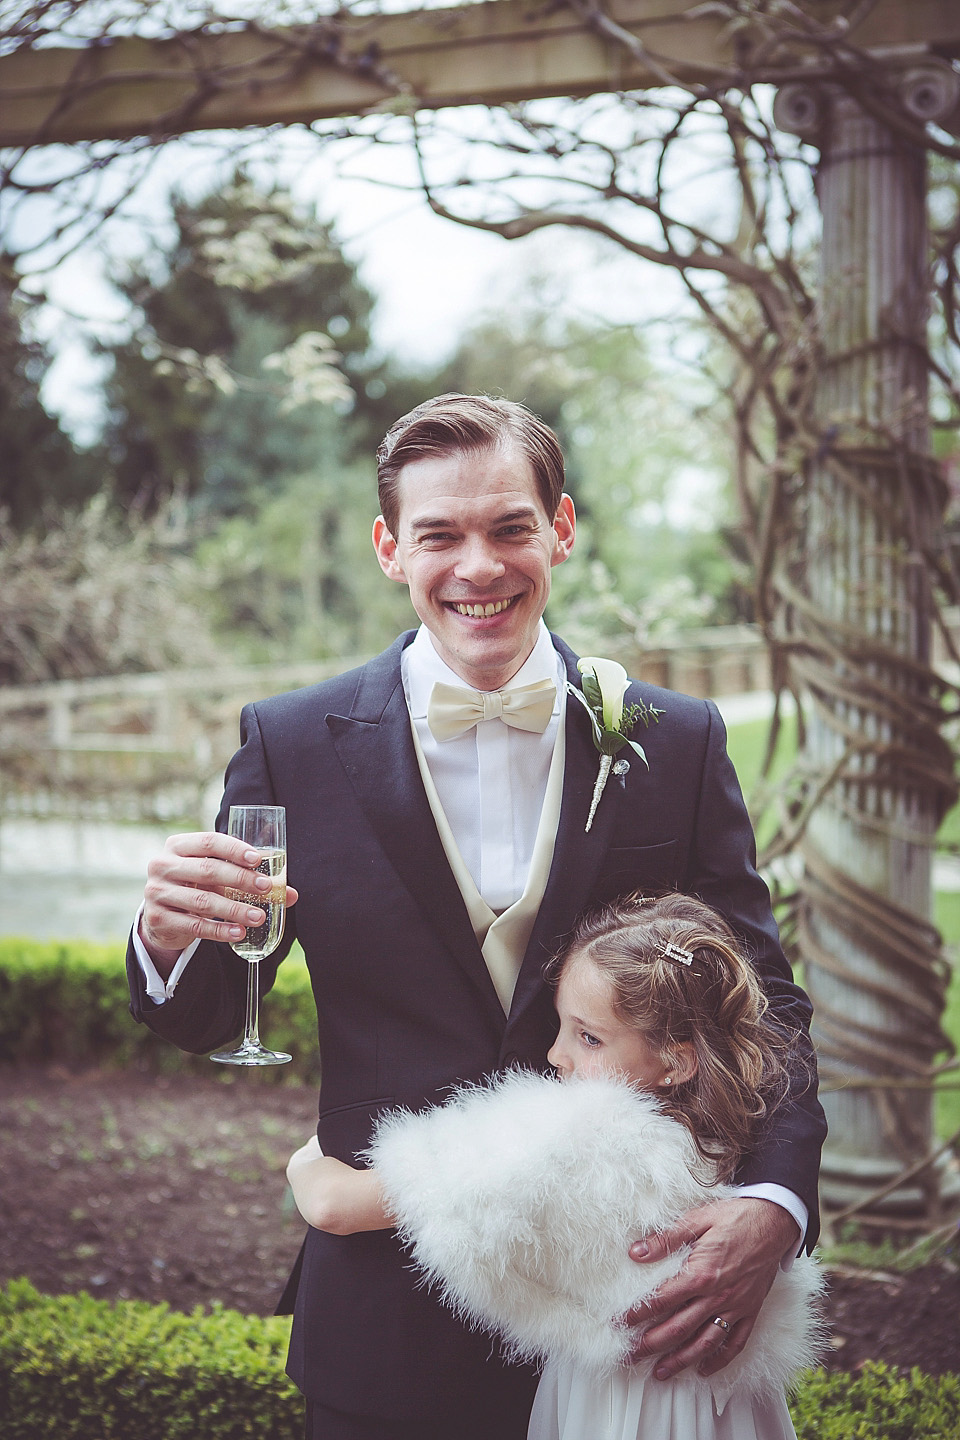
719 1320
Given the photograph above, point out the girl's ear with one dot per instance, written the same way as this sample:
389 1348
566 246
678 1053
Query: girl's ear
682 1060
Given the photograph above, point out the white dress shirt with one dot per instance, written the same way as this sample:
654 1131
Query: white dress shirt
490 780
156 987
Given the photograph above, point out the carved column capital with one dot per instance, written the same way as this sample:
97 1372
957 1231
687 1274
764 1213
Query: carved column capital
927 92
800 108
930 92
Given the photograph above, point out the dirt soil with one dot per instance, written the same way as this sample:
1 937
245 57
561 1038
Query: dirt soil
140 1187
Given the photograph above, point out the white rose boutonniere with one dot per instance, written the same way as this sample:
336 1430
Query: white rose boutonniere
604 687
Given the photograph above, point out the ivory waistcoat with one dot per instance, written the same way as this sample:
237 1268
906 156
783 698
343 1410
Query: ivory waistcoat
503 938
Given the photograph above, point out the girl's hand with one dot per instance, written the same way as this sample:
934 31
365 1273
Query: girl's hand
303 1156
335 1197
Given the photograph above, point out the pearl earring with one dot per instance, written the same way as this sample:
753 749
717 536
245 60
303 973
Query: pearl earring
667 1080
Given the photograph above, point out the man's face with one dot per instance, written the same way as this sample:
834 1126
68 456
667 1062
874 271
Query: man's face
476 548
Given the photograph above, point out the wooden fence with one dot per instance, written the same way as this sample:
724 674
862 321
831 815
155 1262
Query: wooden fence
130 747
150 747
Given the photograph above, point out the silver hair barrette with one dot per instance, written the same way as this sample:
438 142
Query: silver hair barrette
674 952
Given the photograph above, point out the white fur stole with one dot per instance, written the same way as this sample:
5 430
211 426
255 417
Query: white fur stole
519 1199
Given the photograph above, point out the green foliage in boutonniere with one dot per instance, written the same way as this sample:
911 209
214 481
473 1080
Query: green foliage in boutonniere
605 685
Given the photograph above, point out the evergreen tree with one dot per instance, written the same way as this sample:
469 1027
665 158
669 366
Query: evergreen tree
248 390
193 410
39 465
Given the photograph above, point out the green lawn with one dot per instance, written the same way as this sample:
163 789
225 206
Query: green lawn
747 746
947 916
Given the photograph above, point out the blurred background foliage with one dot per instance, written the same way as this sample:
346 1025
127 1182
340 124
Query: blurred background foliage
224 513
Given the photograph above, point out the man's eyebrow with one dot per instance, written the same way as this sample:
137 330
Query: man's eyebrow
525 512
433 522
446 522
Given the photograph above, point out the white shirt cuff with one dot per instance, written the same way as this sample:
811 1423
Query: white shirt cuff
793 1205
159 990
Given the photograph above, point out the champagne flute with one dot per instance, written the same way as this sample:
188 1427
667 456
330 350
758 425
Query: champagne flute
263 828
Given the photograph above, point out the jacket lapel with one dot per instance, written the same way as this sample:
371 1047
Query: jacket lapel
578 856
375 748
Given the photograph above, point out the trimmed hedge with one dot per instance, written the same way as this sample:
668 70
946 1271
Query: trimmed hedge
69 1002
76 1368
877 1403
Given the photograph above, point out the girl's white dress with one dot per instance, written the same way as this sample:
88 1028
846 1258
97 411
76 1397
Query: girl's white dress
520 1199
573 1404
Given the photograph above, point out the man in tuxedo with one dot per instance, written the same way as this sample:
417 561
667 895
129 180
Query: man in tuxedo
437 801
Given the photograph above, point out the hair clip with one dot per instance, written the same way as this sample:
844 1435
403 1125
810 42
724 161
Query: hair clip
674 952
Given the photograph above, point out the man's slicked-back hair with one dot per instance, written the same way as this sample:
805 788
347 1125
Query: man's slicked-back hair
458 424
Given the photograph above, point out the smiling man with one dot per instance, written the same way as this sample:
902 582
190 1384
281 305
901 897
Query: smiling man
475 540
436 801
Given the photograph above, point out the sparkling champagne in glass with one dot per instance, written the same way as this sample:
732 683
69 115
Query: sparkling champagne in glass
262 828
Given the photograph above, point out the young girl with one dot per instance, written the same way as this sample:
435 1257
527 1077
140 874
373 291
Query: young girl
521 1199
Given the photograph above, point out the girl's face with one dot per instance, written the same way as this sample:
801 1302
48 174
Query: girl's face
593 1040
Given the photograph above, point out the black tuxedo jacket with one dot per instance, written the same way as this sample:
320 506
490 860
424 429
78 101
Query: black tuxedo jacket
405 1005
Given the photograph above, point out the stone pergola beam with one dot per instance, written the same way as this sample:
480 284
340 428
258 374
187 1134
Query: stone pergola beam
489 53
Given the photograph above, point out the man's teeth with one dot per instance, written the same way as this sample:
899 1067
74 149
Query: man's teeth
482 611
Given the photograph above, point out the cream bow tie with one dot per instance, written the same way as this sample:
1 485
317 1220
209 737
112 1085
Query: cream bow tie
452 710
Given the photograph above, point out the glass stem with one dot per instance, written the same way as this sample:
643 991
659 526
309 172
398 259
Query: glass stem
252 1031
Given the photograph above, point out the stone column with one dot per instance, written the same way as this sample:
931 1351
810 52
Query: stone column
857 611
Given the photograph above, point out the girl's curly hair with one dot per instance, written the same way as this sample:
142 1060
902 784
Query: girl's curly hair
715 1004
